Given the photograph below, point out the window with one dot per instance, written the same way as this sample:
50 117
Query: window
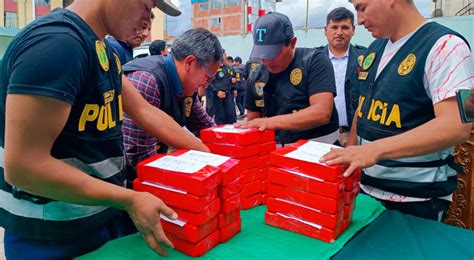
216 21
230 3
11 20
43 2
216 4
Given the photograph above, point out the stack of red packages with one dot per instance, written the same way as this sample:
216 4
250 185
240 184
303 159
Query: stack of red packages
306 196
228 219
252 147
190 188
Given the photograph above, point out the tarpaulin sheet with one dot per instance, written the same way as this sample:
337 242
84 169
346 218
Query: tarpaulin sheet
256 240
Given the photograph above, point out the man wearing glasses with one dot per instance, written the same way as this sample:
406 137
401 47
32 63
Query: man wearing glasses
171 84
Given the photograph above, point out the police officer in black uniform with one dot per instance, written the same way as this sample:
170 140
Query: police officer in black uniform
222 88
293 88
241 78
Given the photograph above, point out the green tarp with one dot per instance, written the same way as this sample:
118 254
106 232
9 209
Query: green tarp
256 240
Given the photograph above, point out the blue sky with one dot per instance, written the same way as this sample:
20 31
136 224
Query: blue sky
292 8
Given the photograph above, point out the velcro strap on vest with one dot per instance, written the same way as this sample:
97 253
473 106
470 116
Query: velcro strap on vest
450 161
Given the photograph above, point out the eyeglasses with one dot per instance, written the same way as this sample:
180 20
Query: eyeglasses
209 74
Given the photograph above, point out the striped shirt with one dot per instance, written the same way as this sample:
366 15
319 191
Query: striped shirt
140 145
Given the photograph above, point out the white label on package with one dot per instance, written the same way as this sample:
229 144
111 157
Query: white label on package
206 158
300 220
230 129
175 164
176 222
310 152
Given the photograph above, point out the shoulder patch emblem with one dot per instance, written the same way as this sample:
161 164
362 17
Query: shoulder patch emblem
260 103
102 55
253 65
360 60
296 76
188 104
407 65
259 88
369 60
119 64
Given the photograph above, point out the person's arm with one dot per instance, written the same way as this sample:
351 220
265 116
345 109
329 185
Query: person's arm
353 134
317 114
156 122
251 115
30 167
444 131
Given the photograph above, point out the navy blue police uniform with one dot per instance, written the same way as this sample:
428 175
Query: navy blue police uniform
224 108
241 77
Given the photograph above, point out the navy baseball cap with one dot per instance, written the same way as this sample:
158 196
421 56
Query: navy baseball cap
167 7
271 32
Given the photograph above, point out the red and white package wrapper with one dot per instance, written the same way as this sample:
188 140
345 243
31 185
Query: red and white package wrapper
303 212
229 167
305 159
304 182
352 181
176 198
196 249
225 192
346 222
234 151
228 134
251 189
186 231
230 204
250 175
225 219
267 148
192 177
328 205
202 217
302 227
229 231
251 202
265 186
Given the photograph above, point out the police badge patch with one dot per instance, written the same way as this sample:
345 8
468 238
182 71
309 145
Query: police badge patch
259 88
360 60
188 104
102 55
296 76
407 65
369 60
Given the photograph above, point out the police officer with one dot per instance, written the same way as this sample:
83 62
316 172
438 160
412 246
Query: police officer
407 121
344 57
241 78
293 89
223 90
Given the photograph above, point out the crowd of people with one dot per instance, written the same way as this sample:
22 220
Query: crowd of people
96 112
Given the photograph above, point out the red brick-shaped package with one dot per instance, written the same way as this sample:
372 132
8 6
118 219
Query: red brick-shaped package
299 211
251 189
230 204
188 232
196 249
349 196
352 181
176 198
226 191
267 148
250 175
195 178
251 202
202 217
305 159
228 134
229 231
315 201
234 151
348 209
302 227
304 182
225 219
229 167
250 163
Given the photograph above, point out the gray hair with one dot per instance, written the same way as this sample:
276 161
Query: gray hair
199 42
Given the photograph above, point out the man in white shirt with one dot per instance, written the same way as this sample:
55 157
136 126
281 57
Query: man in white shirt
344 57
407 122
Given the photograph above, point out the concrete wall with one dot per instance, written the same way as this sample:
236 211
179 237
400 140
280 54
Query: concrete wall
241 45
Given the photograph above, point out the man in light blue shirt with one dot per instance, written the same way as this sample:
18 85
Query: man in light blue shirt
344 57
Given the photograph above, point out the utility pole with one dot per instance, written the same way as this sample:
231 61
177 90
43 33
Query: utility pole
307 16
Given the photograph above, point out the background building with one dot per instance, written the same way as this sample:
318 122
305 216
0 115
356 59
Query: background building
229 17
452 8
